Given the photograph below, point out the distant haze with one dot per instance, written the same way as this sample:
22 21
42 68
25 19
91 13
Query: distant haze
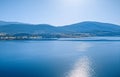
60 12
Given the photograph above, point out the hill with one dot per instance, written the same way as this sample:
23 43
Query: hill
87 28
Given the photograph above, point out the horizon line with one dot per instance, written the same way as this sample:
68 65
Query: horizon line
17 22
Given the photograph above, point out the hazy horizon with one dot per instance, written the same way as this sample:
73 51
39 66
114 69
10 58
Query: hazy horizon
57 25
60 12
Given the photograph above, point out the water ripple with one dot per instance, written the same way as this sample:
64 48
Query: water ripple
82 68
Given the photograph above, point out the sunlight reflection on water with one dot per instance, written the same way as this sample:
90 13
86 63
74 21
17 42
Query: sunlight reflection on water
84 46
82 68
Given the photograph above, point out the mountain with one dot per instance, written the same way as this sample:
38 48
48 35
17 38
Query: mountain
2 23
26 28
88 27
91 26
95 28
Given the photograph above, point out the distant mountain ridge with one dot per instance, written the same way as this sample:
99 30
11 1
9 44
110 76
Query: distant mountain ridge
89 27
92 26
2 23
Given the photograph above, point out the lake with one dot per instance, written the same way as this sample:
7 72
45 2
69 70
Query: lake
60 58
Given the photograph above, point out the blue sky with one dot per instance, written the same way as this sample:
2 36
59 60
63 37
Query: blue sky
60 12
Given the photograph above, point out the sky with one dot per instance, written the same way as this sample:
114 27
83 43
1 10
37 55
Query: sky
60 12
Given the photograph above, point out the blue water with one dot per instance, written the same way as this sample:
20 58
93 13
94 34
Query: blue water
60 58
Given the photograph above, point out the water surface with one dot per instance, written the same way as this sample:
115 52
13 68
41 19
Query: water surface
60 58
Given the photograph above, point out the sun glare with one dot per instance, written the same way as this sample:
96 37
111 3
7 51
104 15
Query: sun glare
72 3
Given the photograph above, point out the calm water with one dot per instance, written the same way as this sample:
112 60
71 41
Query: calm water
59 58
